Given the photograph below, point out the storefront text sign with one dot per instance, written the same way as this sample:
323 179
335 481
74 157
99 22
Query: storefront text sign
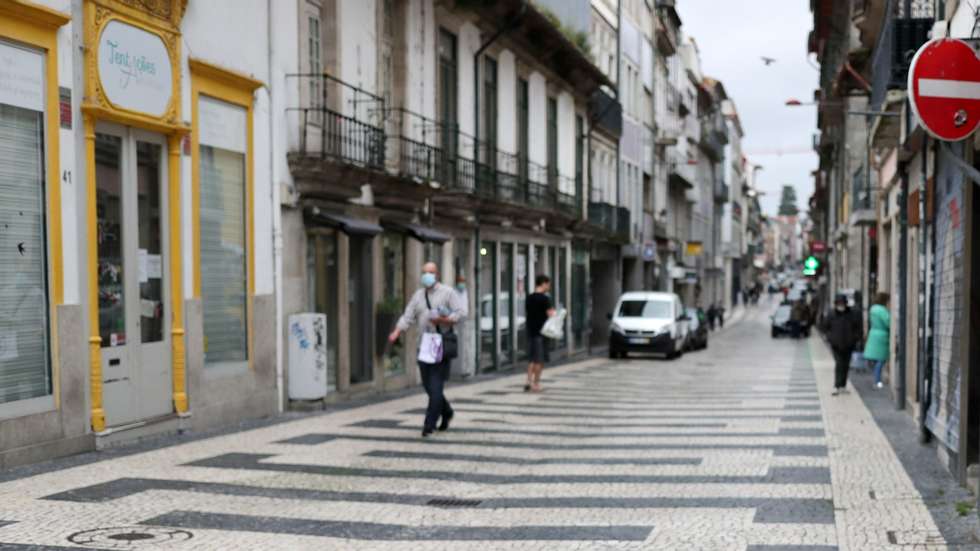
134 68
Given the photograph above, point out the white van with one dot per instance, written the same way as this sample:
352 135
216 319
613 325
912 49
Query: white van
648 322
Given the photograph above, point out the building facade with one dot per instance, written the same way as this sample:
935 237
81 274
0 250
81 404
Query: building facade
140 294
894 211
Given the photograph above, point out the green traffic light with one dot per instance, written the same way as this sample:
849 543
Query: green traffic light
811 264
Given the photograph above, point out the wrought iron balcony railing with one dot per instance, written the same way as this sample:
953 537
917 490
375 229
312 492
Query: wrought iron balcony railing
339 121
906 28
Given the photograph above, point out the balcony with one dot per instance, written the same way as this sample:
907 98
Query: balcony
901 36
714 135
612 220
607 113
721 192
668 25
340 132
680 171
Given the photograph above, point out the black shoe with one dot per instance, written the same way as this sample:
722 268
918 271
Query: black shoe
527 388
426 433
445 421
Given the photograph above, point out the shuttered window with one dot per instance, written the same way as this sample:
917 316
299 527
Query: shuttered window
223 241
24 364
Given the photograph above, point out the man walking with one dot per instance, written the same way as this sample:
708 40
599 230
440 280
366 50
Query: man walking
538 309
843 328
436 308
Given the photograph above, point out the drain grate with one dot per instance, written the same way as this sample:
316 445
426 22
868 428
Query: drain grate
130 537
454 503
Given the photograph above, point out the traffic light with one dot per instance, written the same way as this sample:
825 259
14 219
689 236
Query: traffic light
810 266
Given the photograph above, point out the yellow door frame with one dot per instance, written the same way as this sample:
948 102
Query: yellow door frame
37 26
163 21
236 89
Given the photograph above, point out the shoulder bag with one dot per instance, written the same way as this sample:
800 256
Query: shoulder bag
450 341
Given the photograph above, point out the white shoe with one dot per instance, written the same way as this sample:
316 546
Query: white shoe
879 385
835 392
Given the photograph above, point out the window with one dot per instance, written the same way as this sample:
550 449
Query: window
24 332
490 113
579 158
659 309
223 241
552 143
315 66
523 136
447 89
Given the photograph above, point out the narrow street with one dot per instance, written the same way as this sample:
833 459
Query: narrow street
737 447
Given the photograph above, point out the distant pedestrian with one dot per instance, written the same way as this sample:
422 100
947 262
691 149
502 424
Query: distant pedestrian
876 349
796 319
436 308
721 316
712 316
538 308
843 328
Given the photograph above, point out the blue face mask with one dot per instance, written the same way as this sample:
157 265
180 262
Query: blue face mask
428 279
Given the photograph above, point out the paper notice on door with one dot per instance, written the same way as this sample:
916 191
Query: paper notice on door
148 308
8 346
154 266
141 265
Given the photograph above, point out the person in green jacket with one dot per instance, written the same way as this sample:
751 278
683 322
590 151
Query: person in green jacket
876 348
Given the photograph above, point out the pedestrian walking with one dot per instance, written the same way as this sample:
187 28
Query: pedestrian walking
436 308
712 316
876 349
843 329
796 316
721 316
538 308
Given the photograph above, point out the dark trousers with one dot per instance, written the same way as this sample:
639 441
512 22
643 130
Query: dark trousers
434 377
842 360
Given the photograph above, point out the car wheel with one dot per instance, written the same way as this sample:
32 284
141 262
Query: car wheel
613 354
775 333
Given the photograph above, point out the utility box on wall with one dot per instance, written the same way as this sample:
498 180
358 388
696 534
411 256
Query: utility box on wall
308 372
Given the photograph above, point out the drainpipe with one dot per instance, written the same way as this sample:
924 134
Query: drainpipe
619 81
276 214
476 136
925 393
903 260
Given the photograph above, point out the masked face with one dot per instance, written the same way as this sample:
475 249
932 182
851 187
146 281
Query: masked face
840 307
428 279
460 287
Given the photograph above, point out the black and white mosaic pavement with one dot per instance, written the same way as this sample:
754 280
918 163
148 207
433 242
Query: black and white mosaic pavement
723 449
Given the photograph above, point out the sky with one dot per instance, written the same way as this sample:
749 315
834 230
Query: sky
732 36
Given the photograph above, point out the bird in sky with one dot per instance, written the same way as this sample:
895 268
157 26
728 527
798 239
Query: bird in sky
768 60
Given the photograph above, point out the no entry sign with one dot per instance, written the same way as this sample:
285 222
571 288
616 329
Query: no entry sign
944 85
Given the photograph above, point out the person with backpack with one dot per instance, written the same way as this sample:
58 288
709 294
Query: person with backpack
538 308
437 308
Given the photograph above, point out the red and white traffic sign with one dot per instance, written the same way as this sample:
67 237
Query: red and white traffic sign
944 86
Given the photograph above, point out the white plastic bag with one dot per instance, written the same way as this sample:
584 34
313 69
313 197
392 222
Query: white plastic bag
430 348
554 328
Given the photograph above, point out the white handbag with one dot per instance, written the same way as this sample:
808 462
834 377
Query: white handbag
554 328
430 348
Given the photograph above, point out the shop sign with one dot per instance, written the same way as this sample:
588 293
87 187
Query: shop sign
649 251
818 246
134 68
21 78
694 248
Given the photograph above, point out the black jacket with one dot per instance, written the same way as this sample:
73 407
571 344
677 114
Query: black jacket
844 329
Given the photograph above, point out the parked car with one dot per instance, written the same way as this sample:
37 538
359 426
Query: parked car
780 320
697 329
648 322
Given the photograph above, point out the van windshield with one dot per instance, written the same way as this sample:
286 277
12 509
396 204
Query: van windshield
644 309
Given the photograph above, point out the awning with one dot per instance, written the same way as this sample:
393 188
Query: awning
346 224
418 231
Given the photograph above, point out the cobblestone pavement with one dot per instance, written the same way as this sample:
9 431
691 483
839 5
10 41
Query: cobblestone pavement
736 447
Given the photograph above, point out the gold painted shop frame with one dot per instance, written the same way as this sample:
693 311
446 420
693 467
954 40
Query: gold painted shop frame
37 26
236 89
161 18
